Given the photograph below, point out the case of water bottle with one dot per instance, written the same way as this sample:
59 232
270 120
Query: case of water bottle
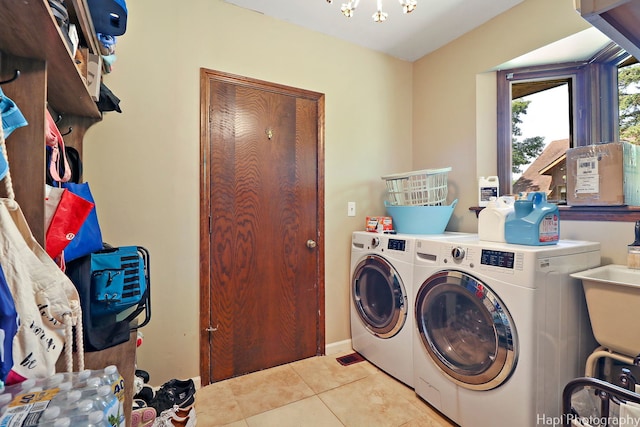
90 398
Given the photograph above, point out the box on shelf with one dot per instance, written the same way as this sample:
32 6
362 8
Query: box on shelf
94 75
90 68
603 175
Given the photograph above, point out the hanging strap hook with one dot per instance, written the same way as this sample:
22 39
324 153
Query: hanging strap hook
16 74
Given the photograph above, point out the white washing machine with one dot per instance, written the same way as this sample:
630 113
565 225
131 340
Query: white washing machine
381 301
500 328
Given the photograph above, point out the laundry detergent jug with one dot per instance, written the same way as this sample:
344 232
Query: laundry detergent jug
492 219
533 222
487 187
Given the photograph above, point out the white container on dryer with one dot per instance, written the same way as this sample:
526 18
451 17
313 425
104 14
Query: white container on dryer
487 187
492 218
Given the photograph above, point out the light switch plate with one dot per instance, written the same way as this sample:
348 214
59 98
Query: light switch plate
351 208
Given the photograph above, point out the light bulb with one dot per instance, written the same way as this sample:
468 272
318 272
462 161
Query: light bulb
347 10
409 6
380 16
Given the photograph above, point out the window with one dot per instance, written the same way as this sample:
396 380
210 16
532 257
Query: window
593 106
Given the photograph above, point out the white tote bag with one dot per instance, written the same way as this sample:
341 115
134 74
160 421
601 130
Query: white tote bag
46 300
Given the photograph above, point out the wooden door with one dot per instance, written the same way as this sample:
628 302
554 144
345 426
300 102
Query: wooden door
261 226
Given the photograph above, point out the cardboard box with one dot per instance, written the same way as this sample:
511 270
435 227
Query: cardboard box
603 175
379 224
94 75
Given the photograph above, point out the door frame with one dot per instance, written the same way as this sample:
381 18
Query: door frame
205 323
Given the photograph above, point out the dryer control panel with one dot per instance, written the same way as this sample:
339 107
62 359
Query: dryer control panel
496 258
483 258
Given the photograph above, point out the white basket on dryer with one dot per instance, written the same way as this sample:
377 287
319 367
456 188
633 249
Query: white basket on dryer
427 187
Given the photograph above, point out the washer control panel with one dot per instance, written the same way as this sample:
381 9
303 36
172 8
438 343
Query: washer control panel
458 253
397 245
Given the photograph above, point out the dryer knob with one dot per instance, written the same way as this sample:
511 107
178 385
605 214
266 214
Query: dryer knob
375 241
457 253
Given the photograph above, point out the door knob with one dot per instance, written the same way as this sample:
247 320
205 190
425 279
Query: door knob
311 244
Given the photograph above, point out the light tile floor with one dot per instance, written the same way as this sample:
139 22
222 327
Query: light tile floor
314 392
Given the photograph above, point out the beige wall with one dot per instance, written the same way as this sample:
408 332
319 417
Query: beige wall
143 165
454 107
454 94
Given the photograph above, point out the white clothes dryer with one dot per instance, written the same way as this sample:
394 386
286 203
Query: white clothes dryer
500 328
381 301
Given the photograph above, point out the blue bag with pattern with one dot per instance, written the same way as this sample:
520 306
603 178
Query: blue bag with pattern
118 280
8 326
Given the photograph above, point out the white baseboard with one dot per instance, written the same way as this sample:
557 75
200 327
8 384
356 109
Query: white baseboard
197 382
338 347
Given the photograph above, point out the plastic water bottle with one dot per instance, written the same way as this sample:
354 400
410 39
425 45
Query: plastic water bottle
5 399
97 419
90 419
49 416
62 422
54 381
106 402
27 385
112 378
91 387
111 373
104 399
67 401
81 409
66 386
80 381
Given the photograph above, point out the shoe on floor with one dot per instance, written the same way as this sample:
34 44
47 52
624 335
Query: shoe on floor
142 374
145 394
171 418
174 392
143 417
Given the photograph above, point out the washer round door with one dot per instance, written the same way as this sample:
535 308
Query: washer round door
466 330
379 296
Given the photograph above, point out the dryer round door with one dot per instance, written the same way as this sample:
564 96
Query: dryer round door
466 330
379 296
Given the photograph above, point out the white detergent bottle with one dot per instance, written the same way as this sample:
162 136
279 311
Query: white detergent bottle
492 218
487 188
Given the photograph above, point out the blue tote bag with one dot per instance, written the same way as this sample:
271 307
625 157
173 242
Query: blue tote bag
8 326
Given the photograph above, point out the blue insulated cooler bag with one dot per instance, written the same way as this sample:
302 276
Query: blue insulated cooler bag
118 280
114 288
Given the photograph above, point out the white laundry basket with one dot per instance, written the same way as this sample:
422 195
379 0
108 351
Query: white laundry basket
427 187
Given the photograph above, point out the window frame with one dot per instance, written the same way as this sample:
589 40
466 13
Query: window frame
594 116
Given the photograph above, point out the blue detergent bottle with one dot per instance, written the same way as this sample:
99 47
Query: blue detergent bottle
534 222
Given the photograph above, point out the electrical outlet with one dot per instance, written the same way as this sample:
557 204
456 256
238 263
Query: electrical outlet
351 208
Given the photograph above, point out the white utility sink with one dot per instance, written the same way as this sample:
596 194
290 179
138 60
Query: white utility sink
613 299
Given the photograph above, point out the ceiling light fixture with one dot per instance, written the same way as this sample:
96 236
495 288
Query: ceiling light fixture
348 8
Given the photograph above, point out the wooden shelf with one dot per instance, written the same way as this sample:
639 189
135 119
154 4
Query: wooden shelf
32 42
29 30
